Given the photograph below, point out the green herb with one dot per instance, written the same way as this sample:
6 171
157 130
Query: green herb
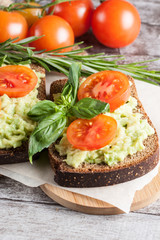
20 6
69 93
43 109
47 132
88 108
52 117
18 53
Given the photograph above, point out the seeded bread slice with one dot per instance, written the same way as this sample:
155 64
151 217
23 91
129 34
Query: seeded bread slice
93 175
20 154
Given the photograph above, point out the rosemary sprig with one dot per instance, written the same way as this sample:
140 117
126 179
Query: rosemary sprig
19 53
20 6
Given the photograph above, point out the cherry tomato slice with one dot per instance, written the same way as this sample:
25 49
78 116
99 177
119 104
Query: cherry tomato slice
92 134
17 81
108 86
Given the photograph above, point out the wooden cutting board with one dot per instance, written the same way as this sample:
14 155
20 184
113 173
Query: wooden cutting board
78 202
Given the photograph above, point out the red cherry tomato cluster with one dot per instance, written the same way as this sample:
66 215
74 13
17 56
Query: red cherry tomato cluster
77 13
114 23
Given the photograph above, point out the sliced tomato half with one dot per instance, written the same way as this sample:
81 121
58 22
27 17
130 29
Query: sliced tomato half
17 81
108 86
92 134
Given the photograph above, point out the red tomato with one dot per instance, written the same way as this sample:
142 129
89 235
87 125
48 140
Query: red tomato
108 86
92 134
17 81
77 13
57 33
116 23
12 25
31 14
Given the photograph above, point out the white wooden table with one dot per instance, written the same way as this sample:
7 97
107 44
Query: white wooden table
27 213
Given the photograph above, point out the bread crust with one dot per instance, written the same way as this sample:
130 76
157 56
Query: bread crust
102 178
20 154
92 175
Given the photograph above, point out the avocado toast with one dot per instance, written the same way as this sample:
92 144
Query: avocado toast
89 174
19 153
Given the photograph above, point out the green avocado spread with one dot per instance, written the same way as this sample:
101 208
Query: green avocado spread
132 131
15 126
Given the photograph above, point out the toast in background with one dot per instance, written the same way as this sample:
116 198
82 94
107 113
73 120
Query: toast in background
20 154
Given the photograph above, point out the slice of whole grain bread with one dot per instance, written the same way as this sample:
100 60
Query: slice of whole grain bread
20 154
93 175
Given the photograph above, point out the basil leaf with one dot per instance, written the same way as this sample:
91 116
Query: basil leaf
88 108
47 132
74 75
69 93
66 95
42 109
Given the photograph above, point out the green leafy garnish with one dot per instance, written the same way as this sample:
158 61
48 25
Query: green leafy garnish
47 132
52 117
69 93
20 6
88 108
42 109
19 53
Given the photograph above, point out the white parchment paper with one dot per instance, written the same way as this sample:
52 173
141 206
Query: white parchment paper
120 195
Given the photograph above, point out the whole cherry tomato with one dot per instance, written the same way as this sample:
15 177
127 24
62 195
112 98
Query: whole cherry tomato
57 33
92 134
116 23
17 81
12 25
77 13
108 86
32 14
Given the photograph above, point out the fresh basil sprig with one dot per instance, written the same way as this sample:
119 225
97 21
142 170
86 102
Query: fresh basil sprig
52 117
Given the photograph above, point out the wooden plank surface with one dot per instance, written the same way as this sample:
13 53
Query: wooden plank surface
27 213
